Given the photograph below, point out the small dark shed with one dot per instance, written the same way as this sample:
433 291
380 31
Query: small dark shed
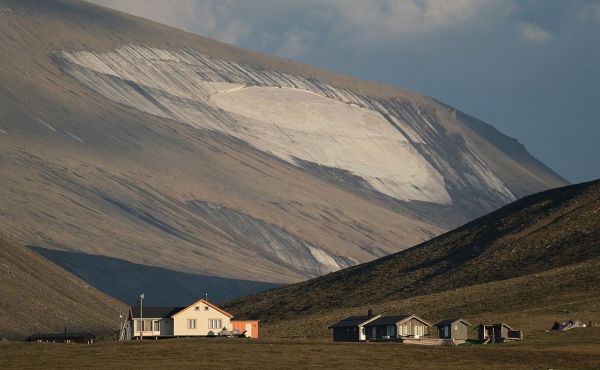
351 329
453 329
88 338
493 333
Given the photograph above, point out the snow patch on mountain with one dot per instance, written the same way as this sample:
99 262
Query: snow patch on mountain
295 123
291 117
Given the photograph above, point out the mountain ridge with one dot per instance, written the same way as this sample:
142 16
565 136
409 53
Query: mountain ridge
114 146
551 229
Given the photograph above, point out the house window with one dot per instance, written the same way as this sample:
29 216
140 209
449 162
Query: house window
147 325
156 325
197 308
390 331
446 332
214 323
205 308
191 323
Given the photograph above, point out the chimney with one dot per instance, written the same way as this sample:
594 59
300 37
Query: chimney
370 313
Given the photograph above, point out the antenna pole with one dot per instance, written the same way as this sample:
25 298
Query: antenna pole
141 316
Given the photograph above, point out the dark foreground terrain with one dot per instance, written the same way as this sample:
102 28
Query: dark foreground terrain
38 296
578 348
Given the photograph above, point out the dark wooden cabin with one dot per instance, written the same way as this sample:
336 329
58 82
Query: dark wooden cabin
497 333
351 329
453 329
88 338
398 326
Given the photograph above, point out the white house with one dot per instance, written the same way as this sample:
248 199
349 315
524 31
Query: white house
201 318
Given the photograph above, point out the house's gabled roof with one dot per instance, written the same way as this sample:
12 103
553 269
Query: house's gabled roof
207 303
353 321
150 312
452 321
395 319
498 324
388 320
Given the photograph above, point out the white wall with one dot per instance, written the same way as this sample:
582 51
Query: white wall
202 315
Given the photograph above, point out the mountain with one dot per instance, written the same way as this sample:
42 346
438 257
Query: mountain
127 139
124 280
38 296
556 230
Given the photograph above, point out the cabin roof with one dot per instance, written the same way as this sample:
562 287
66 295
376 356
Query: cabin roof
395 319
452 321
205 302
498 324
154 312
352 321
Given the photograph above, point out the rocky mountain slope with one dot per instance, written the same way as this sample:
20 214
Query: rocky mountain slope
38 296
549 230
128 139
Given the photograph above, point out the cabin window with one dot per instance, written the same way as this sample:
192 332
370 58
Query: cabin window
390 331
191 323
214 323
156 325
147 325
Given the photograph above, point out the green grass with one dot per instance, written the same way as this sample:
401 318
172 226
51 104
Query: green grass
530 303
578 348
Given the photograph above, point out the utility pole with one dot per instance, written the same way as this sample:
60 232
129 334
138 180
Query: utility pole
141 316
121 327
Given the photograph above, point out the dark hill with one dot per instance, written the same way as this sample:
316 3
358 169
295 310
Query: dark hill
38 296
547 230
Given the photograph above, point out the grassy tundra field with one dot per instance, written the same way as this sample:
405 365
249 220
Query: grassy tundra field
530 303
573 349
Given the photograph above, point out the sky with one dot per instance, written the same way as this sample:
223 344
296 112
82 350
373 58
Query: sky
530 68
